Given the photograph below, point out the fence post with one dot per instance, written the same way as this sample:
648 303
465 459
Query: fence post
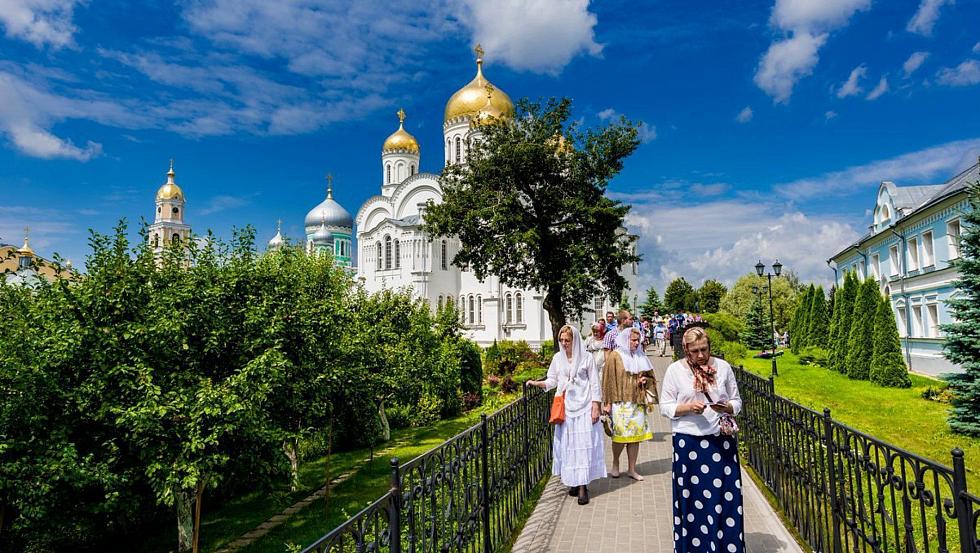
772 447
828 431
395 519
485 477
964 517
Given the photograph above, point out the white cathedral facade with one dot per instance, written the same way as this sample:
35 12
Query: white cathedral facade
393 252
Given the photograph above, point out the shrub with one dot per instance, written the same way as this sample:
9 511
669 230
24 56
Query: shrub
547 349
508 384
502 358
729 351
941 393
814 355
493 380
887 365
426 412
399 416
860 344
471 368
725 323
471 401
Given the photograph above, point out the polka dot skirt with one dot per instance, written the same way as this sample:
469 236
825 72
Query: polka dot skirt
707 495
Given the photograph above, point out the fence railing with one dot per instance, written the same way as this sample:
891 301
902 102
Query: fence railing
463 496
846 491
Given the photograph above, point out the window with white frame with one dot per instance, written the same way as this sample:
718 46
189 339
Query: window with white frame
928 251
479 309
597 307
509 308
519 303
893 260
445 262
462 309
860 269
387 252
902 321
378 255
953 238
912 247
917 321
876 266
398 254
932 313
472 318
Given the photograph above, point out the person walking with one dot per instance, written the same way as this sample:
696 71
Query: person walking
577 447
660 338
625 380
593 345
700 397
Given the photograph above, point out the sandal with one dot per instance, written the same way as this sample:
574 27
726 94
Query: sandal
584 498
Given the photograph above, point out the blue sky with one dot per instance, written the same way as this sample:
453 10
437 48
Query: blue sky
767 125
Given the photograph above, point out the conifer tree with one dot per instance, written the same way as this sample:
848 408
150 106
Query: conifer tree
802 331
841 326
887 365
756 328
963 337
860 343
796 324
816 333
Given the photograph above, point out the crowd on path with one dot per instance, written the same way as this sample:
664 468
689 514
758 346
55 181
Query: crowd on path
606 384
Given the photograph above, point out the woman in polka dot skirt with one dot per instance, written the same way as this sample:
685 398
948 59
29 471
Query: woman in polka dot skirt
697 391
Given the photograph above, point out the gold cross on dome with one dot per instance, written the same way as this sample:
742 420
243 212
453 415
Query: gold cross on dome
489 89
401 115
329 179
479 51
27 232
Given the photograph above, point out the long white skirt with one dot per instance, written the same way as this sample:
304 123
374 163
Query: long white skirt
578 450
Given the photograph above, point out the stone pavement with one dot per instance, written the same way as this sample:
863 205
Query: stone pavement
625 516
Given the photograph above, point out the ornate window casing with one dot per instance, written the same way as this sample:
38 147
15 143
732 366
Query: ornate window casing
398 257
388 173
472 311
509 308
519 304
387 251
459 149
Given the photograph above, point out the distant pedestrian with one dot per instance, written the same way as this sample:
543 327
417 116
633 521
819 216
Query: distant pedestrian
699 394
610 320
660 338
577 449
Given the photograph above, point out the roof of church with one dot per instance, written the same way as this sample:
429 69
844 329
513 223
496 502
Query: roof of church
410 221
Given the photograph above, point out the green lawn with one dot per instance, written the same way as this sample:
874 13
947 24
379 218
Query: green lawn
898 416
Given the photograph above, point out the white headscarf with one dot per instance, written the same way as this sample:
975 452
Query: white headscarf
634 361
578 390
569 368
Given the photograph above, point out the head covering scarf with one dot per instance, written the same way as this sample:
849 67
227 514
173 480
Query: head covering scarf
634 361
568 368
704 375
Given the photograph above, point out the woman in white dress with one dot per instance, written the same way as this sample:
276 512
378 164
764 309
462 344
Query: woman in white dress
577 448
593 344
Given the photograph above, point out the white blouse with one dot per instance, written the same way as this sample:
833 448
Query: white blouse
678 388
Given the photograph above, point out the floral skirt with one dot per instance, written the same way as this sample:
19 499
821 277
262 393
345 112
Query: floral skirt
630 423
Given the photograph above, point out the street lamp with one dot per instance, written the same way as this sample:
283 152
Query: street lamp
760 270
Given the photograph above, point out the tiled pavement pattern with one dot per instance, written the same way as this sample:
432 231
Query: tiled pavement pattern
625 516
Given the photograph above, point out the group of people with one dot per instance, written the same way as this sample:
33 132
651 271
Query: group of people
608 379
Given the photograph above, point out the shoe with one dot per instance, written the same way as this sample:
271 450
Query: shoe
573 491
584 498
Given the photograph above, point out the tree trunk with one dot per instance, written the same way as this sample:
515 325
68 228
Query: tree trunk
197 514
556 313
185 520
385 427
289 447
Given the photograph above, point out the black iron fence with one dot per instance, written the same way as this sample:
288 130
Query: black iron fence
846 491
463 496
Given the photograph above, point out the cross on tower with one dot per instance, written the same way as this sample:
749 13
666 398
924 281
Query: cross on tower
329 185
401 115
479 52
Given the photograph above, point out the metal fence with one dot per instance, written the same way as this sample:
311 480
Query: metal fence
846 491
463 496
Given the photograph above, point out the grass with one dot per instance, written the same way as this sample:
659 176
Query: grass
894 415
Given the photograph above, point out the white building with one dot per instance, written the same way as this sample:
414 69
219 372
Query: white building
168 221
393 252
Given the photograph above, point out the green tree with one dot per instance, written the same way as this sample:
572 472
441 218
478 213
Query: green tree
679 295
887 365
624 303
860 343
799 334
756 334
529 202
740 298
710 295
817 325
840 327
962 344
652 303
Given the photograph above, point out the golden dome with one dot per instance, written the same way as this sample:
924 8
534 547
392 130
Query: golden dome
26 250
170 190
401 139
471 100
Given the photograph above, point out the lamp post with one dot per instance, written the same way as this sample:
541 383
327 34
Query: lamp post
760 270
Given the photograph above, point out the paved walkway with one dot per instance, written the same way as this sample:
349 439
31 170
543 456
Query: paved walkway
625 516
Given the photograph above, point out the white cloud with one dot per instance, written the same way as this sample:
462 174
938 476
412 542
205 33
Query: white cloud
608 114
786 62
879 89
646 132
976 48
532 35
223 203
930 165
851 87
745 115
807 22
964 74
752 230
830 114
40 22
926 16
914 62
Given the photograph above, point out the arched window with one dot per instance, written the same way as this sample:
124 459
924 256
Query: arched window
449 150
519 301
159 210
379 256
472 310
176 238
459 148
156 240
509 313
479 310
462 309
387 252
388 177
175 211
445 262
413 170
398 255
440 303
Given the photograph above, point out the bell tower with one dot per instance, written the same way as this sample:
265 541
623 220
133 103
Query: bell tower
168 223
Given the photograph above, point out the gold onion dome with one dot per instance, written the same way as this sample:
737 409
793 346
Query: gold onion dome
170 190
26 250
478 97
401 139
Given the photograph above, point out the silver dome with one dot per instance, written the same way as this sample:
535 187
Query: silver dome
322 236
329 213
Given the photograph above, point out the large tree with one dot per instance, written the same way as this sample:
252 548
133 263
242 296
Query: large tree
679 296
740 298
887 364
860 343
840 327
817 324
652 303
799 337
529 206
710 294
963 336
756 334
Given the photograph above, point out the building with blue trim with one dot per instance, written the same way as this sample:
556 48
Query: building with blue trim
911 250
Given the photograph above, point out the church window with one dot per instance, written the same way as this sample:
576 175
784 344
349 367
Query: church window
388 177
398 255
459 148
472 310
449 150
445 262
387 252
175 211
440 303
519 301
159 210
509 314
379 256
597 307
156 240
175 239
462 309
479 310
413 169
